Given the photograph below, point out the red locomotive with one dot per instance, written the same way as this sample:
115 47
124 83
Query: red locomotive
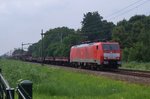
107 54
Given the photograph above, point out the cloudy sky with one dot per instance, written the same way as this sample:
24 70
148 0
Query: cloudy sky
22 20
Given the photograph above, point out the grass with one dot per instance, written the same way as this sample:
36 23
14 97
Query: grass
136 65
57 83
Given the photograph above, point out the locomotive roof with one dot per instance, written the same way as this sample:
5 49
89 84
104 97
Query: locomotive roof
94 43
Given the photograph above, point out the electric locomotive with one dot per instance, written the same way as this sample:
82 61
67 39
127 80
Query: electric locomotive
99 54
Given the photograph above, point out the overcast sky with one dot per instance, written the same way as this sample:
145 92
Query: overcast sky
22 20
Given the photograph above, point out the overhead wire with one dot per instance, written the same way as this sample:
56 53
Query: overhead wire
129 10
123 10
114 13
117 12
94 24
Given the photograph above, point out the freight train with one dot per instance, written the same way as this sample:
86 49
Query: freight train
87 55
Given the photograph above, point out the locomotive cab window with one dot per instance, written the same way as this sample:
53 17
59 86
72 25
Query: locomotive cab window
110 47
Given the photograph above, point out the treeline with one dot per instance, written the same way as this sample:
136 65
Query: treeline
58 41
133 36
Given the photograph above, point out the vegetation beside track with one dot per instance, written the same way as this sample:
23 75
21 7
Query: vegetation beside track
136 65
57 83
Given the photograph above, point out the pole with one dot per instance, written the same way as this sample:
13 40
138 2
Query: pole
61 37
22 50
42 34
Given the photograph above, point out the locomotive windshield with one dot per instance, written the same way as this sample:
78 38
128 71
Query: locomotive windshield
110 47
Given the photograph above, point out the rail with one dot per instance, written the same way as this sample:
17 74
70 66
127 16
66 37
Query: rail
23 89
138 73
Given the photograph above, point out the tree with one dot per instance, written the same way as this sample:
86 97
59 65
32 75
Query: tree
134 38
93 27
57 42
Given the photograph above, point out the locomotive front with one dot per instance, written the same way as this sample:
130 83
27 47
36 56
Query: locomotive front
111 54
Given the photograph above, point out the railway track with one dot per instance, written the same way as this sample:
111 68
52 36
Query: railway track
131 76
130 72
138 73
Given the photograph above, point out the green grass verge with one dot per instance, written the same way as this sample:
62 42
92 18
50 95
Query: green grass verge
57 83
136 65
